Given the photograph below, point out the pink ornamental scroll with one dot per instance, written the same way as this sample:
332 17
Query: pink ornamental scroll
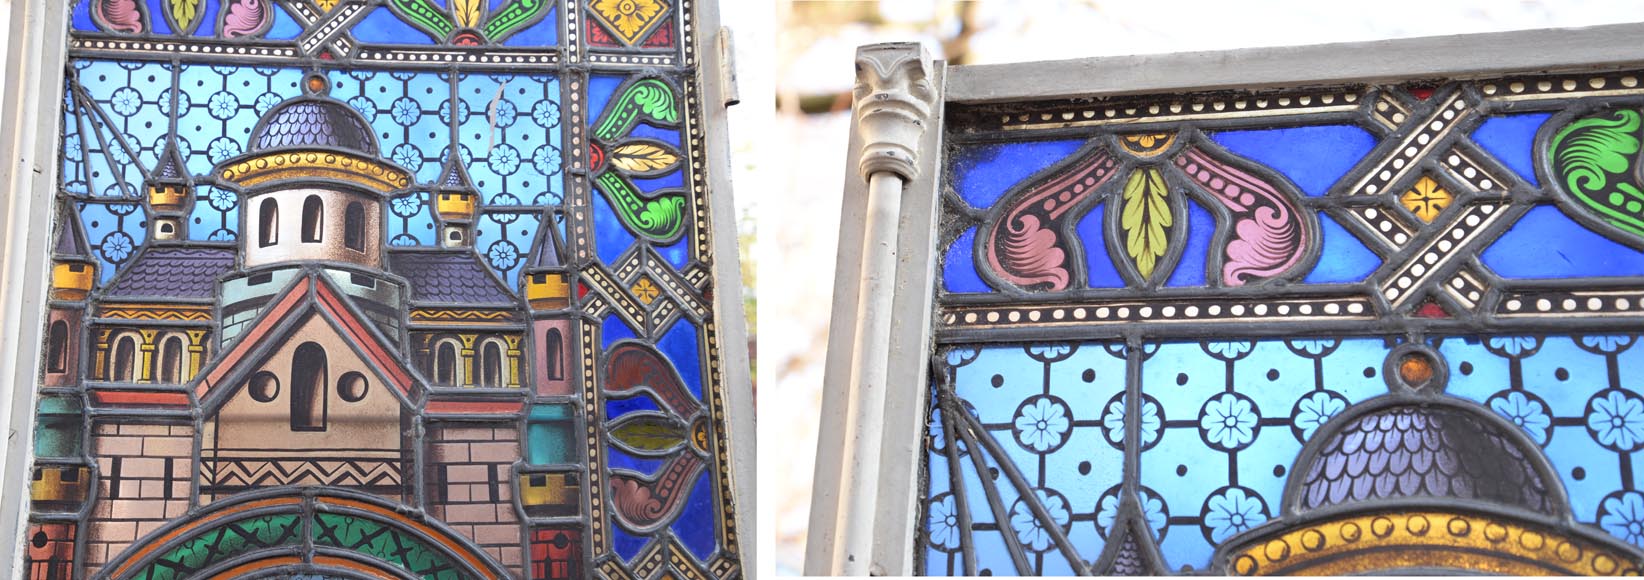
246 18
1024 244
125 16
1270 234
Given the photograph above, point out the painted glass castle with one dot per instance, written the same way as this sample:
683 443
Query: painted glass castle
309 369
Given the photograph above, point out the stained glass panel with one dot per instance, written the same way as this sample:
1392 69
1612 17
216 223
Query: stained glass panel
381 288
1366 328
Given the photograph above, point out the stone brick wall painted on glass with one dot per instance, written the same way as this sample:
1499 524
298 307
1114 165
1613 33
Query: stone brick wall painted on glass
381 288
1378 328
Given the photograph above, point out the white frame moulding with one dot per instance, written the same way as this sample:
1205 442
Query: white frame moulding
906 362
34 54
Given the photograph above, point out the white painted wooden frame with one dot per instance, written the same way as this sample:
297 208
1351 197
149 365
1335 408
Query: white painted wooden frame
31 105
896 523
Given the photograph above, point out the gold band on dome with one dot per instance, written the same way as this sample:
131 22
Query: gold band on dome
1380 542
362 171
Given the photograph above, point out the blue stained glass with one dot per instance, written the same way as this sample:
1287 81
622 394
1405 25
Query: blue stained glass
1262 405
959 269
1342 258
1511 139
671 180
616 459
1545 243
1047 406
618 407
543 33
600 88
1201 228
982 173
626 545
382 27
82 17
663 134
1314 158
1547 386
679 344
156 17
516 160
611 239
1099 269
695 526
284 28
503 238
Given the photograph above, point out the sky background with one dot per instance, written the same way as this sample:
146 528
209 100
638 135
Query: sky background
795 62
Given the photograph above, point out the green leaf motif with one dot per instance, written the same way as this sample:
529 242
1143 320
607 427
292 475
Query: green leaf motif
1145 216
513 17
424 15
651 99
648 433
1595 158
661 219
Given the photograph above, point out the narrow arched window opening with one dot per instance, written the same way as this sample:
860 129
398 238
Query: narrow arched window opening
354 227
123 363
313 218
491 365
168 368
268 223
445 364
57 347
553 349
308 388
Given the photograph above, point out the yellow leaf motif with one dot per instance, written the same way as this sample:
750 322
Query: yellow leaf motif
1146 215
184 11
468 12
643 158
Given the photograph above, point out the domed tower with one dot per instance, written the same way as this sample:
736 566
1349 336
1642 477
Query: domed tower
1418 482
313 191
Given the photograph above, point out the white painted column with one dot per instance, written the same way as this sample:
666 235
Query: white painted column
893 108
30 104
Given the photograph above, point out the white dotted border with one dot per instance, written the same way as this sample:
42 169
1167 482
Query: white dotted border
1385 224
1286 103
1572 303
1400 285
1413 147
1563 86
1466 288
1468 171
1389 111
1121 312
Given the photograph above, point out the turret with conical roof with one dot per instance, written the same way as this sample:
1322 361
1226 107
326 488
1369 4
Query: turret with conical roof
546 280
169 193
455 200
73 271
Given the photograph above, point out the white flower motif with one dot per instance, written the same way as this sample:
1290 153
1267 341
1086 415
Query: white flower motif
944 523
1615 419
1029 531
1042 423
1228 421
1622 515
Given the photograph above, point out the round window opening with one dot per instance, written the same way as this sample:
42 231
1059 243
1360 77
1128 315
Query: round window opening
264 387
352 387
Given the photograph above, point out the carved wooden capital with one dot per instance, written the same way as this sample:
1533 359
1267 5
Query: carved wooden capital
893 101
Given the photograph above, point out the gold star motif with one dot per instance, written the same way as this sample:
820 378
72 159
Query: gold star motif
645 291
1427 199
630 20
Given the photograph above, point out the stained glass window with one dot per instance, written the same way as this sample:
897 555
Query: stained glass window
382 288
1338 329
